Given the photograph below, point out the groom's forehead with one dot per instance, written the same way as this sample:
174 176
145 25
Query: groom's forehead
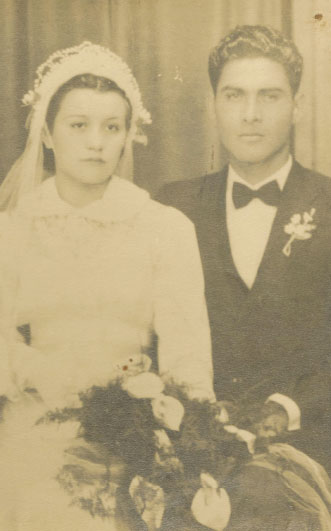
253 73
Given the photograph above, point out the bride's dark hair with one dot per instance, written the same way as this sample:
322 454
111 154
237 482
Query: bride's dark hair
86 81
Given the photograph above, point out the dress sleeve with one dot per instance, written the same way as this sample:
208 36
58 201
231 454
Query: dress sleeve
180 312
15 355
7 387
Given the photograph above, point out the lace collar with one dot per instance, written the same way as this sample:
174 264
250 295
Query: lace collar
121 201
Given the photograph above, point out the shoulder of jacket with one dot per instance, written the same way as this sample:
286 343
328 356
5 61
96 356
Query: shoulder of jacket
316 178
190 184
185 195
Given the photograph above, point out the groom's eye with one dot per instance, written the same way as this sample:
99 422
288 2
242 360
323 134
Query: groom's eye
113 127
233 95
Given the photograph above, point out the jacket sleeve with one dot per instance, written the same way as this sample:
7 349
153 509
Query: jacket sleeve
180 313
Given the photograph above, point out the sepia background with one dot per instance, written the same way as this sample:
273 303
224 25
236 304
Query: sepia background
166 43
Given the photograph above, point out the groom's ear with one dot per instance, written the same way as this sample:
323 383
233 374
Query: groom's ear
47 137
299 102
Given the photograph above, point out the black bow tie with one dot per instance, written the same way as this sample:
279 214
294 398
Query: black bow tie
269 194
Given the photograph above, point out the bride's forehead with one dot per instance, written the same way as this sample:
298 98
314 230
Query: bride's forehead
92 101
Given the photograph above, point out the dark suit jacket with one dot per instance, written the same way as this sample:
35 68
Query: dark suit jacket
275 337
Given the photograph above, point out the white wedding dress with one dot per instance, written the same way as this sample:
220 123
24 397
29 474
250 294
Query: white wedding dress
93 284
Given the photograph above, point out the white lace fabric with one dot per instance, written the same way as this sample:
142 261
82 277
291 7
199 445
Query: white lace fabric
95 282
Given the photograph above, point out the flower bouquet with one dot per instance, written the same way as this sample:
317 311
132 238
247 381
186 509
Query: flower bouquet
147 452
151 456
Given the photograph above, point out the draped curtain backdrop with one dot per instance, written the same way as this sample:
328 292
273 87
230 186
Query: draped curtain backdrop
166 43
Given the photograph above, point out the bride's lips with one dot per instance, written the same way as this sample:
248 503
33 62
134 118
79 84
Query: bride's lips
251 137
95 160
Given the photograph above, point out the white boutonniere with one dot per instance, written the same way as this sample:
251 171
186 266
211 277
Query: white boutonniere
299 228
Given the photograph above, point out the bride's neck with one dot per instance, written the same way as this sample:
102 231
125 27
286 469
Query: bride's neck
79 194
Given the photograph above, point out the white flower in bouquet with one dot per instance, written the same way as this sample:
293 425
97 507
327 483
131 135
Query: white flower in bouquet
165 456
133 365
162 441
169 462
137 363
207 481
223 415
211 505
243 435
168 411
149 501
143 385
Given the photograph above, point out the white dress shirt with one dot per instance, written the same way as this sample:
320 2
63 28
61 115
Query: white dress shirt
249 227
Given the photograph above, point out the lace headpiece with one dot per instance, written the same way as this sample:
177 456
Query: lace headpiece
60 67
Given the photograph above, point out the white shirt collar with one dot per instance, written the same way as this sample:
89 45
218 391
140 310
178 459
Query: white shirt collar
121 201
280 176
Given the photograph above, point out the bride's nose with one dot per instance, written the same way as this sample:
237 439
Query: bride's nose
95 139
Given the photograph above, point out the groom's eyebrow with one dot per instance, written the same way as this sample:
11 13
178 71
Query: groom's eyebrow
232 87
271 89
77 115
240 89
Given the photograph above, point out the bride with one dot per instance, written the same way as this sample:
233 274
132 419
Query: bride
91 268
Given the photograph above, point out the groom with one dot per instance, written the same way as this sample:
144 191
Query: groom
264 229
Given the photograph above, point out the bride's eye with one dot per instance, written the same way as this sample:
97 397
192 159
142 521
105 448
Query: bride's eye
78 125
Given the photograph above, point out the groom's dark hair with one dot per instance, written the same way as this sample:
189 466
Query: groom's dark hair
256 41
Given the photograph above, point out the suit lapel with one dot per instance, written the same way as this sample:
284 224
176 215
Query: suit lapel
214 239
213 201
212 210
297 197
